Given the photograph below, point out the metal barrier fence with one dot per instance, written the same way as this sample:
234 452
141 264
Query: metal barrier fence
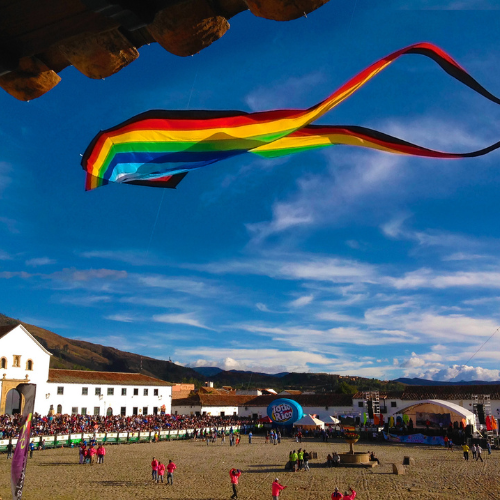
71 440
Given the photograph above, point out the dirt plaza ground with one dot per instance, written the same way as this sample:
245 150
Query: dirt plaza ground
203 473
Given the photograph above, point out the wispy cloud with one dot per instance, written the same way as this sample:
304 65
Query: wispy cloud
260 360
190 286
284 94
122 318
5 255
302 301
40 261
132 257
181 319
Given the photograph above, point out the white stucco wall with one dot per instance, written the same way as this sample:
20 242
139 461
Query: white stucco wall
72 397
20 343
214 411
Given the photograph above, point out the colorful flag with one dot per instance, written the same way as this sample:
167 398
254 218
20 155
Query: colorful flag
158 148
20 459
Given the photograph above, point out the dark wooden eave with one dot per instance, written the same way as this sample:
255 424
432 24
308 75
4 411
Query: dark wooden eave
39 38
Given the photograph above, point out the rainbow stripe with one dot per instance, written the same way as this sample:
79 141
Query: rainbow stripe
158 148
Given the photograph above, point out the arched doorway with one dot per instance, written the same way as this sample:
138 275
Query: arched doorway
13 402
109 412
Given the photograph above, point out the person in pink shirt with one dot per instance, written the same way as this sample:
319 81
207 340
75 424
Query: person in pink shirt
161 472
154 469
277 488
234 474
170 472
101 451
92 454
351 496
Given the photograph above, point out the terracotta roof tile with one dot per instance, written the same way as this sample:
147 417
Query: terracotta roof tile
450 392
307 400
105 378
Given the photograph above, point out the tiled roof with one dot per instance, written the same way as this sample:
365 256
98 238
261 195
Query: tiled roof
382 395
450 392
224 400
191 401
307 400
105 378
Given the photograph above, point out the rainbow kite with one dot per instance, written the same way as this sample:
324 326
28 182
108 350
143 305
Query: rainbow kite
158 148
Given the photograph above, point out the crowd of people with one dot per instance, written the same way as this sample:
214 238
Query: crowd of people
91 452
74 424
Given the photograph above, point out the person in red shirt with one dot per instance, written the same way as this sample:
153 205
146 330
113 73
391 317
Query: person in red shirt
234 474
276 488
170 472
101 451
352 496
154 469
161 472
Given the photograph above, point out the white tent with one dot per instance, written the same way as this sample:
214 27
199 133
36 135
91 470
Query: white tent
438 406
332 421
309 422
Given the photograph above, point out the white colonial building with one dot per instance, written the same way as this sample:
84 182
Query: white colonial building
24 360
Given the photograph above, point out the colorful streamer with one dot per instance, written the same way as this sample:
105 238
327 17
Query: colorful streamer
159 148
20 458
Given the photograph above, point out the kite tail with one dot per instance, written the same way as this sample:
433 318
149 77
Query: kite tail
429 50
314 137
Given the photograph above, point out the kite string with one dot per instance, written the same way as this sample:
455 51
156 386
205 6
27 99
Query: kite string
163 190
156 220
483 344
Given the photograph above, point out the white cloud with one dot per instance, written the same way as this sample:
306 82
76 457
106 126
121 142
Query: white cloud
259 360
428 278
196 287
302 301
40 261
298 267
284 93
122 318
180 319
132 257
352 181
5 255
459 373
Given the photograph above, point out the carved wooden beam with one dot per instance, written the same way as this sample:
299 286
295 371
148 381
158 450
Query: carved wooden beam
99 55
283 10
188 27
30 80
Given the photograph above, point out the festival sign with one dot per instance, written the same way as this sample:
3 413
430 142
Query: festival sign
145 436
133 437
122 437
3 444
111 437
284 411
75 439
415 439
62 440
49 441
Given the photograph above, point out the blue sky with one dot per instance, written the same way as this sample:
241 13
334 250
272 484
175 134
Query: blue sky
343 261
